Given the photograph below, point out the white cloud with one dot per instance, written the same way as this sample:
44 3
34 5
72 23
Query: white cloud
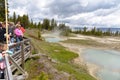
75 12
84 3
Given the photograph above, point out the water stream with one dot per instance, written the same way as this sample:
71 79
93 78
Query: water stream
107 60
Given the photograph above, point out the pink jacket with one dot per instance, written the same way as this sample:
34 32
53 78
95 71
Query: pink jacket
18 32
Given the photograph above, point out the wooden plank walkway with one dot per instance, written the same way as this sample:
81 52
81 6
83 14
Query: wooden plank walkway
17 60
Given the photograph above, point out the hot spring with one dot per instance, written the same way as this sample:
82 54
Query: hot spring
107 60
53 39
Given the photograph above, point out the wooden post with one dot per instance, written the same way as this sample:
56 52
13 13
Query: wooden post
30 47
22 53
6 18
8 70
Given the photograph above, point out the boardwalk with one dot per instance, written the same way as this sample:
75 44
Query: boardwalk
16 61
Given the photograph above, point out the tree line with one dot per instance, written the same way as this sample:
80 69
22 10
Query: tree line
46 24
96 32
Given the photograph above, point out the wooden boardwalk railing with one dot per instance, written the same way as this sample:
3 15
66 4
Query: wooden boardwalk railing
17 59
22 54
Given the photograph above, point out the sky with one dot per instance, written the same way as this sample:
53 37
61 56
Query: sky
75 13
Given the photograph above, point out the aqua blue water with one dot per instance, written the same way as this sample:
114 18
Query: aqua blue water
106 74
52 39
108 60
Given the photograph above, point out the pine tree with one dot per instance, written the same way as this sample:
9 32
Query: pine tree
25 21
93 31
2 10
14 17
84 30
18 18
39 34
62 26
39 25
108 32
31 24
53 24
117 33
46 24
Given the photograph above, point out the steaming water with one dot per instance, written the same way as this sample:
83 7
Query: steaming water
52 39
107 60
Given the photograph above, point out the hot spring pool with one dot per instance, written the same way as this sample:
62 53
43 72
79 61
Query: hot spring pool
108 60
53 39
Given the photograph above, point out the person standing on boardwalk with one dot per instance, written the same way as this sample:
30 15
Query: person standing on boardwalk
2 32
18 33
21 27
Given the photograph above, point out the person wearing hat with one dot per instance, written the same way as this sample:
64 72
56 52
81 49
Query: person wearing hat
18 33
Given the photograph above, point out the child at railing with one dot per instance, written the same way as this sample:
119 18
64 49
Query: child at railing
19 35
2 61
3 51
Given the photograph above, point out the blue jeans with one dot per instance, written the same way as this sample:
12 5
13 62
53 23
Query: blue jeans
18 40
12 40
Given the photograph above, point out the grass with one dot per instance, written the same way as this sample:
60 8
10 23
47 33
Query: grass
33 67
61 55
42 76
32 70
58 52
77 73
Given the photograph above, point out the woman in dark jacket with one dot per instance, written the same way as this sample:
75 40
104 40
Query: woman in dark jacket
2 32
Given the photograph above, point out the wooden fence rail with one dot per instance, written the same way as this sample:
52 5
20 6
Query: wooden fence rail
17 59
21 54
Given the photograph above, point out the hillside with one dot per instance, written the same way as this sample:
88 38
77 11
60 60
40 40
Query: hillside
52 61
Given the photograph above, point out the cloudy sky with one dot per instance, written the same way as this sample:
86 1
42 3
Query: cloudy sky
99 13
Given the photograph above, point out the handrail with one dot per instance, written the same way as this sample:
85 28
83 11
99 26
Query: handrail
22 55
8 69
18 67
